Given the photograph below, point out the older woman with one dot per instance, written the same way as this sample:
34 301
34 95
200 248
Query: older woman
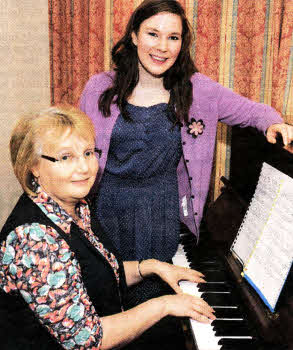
61 284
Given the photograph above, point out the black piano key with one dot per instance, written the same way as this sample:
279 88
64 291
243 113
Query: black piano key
240 347
220 299
208 269
188 239
190 248
200 258
236 325
228 313
204 262
214 287
216 276
232 328
207 266
195 253
234 342
233 332
229 323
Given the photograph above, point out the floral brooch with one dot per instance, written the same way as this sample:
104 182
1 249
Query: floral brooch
195 127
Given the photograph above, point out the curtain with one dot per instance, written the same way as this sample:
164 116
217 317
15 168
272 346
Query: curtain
245 45
77 45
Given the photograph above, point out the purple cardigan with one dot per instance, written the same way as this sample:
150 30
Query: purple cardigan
212 103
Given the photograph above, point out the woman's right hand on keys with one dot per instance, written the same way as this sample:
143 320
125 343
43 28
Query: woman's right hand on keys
185 305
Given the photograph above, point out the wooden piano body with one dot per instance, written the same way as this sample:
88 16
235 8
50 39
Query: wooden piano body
219 228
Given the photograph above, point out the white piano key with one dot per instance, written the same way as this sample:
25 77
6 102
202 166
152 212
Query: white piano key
205 336
190 288
180 257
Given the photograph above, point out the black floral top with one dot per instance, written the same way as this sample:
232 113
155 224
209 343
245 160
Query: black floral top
38 263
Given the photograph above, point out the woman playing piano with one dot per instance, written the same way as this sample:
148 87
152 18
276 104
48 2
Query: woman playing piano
61 286
156 118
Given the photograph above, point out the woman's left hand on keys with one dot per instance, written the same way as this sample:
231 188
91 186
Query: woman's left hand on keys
172 274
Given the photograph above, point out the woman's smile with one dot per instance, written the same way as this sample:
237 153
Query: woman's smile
81 181
158 59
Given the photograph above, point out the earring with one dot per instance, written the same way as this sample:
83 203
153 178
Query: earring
35 184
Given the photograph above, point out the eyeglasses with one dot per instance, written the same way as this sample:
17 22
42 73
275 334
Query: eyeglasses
69 159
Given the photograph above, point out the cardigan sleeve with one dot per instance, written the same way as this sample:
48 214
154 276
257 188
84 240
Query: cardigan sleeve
238 110
232 108
93 89
40 266
89 97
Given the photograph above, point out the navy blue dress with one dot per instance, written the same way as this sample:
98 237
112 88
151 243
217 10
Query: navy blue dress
137 203
138 206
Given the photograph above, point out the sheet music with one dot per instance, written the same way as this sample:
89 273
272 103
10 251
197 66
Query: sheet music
272 257
258 212
265 240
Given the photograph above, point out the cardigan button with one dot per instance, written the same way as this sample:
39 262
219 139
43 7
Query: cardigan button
192 196
183 143
187 160
190 178
195 213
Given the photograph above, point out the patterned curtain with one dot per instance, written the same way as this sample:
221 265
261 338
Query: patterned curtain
245 45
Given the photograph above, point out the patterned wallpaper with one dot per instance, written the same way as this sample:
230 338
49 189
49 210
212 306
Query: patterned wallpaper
24 79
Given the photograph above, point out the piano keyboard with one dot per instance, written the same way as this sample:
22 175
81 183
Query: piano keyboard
231 329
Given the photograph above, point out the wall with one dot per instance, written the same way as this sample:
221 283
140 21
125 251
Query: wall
24 79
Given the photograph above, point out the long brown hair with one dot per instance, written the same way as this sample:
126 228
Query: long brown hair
125 58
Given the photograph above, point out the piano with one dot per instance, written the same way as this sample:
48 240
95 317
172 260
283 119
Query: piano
243 320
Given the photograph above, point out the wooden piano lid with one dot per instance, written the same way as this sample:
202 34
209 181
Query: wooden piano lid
249 149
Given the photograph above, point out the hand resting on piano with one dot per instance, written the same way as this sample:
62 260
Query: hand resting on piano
283 131
174 274
180 304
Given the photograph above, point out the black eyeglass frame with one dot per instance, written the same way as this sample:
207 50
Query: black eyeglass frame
52 159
